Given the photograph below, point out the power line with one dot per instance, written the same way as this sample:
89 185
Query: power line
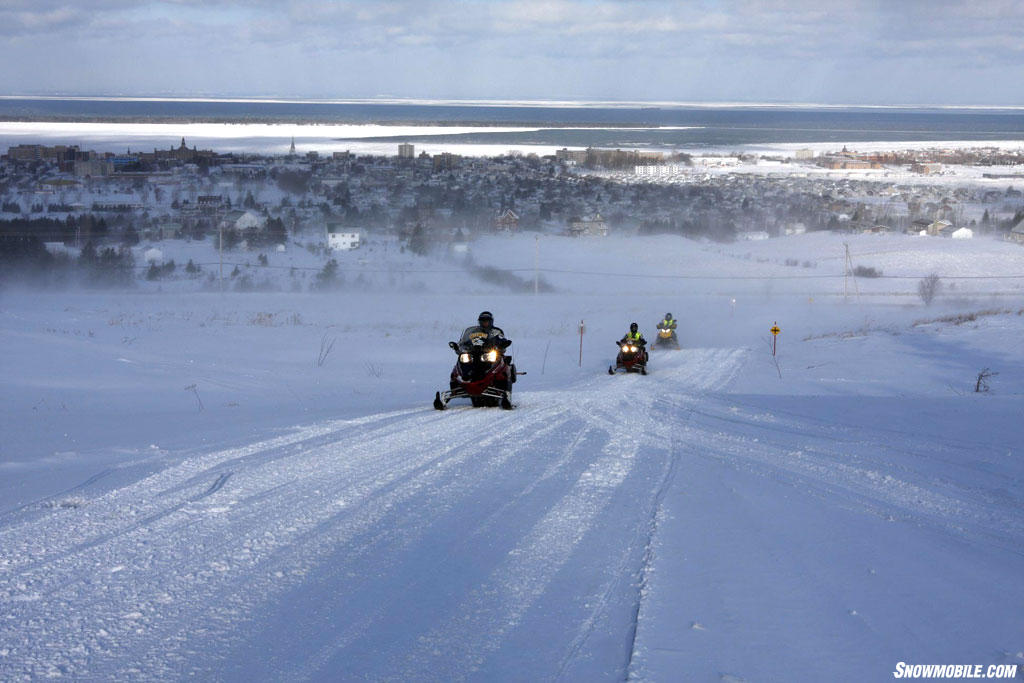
762 277
558 271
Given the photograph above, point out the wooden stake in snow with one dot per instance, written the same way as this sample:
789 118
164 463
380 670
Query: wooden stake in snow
583 328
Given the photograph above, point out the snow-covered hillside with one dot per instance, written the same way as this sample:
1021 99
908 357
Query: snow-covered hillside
255 486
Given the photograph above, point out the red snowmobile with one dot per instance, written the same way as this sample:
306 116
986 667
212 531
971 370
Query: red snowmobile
482 373
632 357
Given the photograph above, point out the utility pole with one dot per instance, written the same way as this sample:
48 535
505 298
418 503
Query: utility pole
846 273
536 261
848 268
220 252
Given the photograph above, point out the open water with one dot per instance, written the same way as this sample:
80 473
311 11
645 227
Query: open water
580 126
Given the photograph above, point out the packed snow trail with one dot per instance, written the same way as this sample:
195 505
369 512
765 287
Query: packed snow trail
411 544
839 548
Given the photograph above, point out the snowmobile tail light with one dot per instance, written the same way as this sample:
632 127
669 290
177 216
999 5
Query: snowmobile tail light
491 356
463 357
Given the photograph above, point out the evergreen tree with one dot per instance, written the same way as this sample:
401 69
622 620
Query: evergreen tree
130 237
328 277
276 231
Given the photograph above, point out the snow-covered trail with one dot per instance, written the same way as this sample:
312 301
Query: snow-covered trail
840 546
410 544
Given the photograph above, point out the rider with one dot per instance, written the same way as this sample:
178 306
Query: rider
486 330
634 336
669 323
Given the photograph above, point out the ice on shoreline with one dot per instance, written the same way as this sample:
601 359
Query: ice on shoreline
275 138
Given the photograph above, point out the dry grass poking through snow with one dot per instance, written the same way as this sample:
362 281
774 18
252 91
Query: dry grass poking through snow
953 319
962 318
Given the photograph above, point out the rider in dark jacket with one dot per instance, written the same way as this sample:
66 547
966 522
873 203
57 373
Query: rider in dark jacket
634 336
485 329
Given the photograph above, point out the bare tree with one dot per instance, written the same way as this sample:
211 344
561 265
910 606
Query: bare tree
326 345
928 288
195 390
982 384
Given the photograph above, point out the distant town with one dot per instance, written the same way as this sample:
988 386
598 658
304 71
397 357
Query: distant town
68 200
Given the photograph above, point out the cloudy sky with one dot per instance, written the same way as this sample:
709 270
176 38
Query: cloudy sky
822 51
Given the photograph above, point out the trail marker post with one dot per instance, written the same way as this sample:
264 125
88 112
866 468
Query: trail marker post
583 328
775 335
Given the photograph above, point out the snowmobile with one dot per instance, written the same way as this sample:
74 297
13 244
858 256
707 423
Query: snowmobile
666 339
482 373
631 358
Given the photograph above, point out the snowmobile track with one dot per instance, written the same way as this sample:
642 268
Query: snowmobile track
461 526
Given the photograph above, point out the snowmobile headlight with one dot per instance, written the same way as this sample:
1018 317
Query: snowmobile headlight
491 356
625 348
464 358
633 349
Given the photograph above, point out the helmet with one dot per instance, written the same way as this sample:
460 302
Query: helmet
668 316
485 317
633 327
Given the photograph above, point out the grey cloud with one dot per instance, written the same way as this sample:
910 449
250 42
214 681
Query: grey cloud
475 47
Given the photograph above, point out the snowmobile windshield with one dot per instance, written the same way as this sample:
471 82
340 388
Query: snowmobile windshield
473 333
491 337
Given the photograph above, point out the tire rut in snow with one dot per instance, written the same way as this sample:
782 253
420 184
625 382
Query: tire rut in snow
366 531
150 568
459 646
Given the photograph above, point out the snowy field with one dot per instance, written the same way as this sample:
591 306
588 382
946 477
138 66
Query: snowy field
193 486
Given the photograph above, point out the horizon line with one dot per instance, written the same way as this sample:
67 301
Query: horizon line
495 103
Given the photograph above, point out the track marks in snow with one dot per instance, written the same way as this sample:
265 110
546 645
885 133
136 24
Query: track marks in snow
208 561
57 500
354 503
845 465
208 545
461 644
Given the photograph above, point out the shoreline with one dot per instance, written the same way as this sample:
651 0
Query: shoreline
275 138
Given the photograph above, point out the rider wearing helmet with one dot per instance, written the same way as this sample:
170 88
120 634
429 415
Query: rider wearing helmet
634 336
485 329
668 323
